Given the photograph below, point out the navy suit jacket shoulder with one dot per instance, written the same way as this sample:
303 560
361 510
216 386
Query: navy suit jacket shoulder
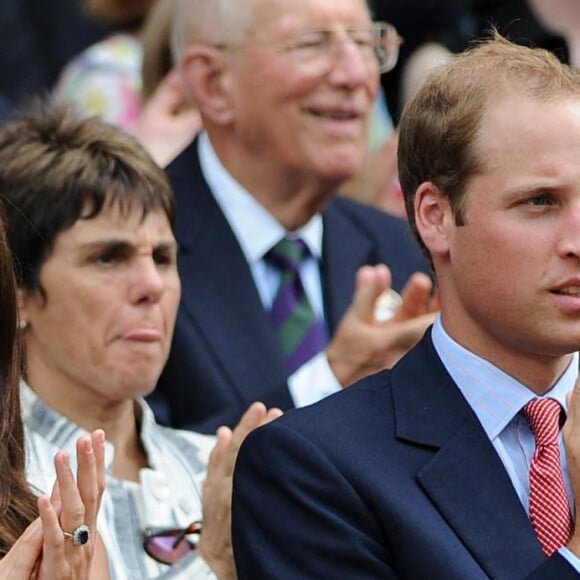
393 478
224 354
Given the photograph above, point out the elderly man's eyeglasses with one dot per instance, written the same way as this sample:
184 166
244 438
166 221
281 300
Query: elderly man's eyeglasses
169 545
315 50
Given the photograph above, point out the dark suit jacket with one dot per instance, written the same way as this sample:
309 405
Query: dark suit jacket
391 480
225 354
5 109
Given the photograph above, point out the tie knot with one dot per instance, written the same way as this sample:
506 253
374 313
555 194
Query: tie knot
287 254
543 416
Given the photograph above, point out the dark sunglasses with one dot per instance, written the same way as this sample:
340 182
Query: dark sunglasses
169 545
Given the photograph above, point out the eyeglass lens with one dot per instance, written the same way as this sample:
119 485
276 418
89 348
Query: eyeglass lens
164 550
170 545
377 44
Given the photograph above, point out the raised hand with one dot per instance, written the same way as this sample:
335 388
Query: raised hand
363 345
43 551
167 123
215 541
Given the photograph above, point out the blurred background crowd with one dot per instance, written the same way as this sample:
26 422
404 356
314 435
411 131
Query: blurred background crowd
108 58
38 39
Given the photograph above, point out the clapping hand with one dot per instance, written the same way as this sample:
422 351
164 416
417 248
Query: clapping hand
215 543
363 344
63 543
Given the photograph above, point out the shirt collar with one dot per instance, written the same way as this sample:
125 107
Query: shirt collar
495 397
255 228
63 433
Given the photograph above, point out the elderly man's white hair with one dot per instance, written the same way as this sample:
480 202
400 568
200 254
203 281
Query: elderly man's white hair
209 21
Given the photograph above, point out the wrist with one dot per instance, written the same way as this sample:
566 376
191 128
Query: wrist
222 564
341 368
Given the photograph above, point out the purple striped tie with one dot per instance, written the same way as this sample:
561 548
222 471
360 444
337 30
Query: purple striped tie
301 333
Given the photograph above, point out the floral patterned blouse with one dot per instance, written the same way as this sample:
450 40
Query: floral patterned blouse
105 80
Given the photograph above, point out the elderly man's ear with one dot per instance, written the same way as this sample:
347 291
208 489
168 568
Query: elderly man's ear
207 78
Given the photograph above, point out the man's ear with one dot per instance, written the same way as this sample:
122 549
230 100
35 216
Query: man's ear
434 218
205 72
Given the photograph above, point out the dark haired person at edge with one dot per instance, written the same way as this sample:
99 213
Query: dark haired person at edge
49 537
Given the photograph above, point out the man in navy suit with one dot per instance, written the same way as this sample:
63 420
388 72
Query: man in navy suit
285 92
432 472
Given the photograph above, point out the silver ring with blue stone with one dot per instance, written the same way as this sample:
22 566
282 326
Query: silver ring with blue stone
79 536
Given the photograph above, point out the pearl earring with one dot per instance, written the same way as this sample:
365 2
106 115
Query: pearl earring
22 324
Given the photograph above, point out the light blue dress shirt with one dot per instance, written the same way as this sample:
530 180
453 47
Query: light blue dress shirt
497 399
257 231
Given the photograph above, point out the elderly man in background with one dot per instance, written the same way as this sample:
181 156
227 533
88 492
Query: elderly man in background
269 255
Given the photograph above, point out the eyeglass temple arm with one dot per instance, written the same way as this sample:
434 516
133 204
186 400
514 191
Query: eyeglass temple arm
193 528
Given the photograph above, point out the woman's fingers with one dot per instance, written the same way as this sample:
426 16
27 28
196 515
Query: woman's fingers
22 559
53 553
49 548
69 517
91 473
66 496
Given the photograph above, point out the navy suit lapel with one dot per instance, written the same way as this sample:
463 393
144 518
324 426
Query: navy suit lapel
465 478
204 233
345 249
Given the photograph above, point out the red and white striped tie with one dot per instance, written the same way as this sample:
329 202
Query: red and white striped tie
549 507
